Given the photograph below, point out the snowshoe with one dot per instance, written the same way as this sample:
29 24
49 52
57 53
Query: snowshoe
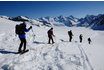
24 51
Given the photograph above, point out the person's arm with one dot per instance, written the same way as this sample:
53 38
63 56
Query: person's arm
52 33
27 30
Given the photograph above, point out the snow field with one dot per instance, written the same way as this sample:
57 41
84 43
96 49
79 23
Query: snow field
63 55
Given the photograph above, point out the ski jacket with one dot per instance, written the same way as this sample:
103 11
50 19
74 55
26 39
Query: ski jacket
50 33
70 33
80 36
23 35
89 39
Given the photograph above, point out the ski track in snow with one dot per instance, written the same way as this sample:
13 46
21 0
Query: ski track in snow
85 58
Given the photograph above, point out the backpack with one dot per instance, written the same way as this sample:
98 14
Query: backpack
18 29
89 39
49 32
69 32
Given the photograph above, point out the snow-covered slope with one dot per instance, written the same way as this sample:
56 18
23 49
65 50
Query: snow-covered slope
62 55
6 25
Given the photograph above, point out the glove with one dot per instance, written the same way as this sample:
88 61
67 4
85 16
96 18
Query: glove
30 27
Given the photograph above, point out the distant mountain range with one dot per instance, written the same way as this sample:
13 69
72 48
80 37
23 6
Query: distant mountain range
91 21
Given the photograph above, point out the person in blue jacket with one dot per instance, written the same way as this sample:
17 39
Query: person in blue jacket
22 36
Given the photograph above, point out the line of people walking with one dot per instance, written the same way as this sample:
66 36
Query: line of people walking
80 37
50 36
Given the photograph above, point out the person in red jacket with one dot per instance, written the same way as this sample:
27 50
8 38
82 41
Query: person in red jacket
50 35
70 35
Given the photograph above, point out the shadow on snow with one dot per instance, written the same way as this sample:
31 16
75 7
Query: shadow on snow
6 52
38 42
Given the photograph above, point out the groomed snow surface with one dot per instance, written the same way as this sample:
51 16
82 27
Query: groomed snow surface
63 55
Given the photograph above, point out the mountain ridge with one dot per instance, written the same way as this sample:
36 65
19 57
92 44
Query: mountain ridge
91 21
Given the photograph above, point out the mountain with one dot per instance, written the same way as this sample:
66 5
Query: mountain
98 23
26 19
90 21
67 21
19 18
5 17
85 22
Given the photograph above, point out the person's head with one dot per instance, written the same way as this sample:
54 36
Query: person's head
24 24
51 28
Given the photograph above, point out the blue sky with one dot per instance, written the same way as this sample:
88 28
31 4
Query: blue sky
36 9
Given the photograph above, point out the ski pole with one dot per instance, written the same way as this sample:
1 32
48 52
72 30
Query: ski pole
33 35
33 32
55 38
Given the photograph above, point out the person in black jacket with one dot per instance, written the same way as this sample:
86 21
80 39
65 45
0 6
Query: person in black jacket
80 37
89 40
22 36
70 35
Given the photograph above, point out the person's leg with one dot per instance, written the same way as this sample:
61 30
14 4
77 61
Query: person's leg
89 42
24 41
52 40
81 40
70 38
49 39
20 46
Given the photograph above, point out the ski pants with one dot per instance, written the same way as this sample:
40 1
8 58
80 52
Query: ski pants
50 38
89 42
80 40
70 38
23 42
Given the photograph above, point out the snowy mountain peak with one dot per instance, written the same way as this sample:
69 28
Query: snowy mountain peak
88 21
72 16
5 17
23 17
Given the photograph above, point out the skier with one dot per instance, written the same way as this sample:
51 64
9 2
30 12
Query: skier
89 40
50 35
80 37
20 30
70 35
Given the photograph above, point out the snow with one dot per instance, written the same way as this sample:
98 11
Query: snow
6 25
62 55
4 17
24 17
